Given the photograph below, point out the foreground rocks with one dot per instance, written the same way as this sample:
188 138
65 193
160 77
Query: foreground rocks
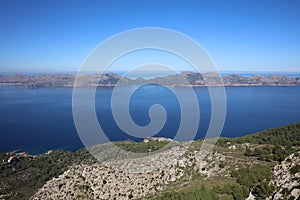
131 178
142 176
287 178
160 168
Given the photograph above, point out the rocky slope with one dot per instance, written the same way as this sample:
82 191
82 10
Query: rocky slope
265 165
287 178
147 176
130 178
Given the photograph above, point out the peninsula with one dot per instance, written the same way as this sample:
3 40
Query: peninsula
182 79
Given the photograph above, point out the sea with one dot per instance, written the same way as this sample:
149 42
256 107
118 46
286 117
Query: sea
37 120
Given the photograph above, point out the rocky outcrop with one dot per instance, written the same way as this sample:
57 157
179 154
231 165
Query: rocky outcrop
287 178
131 178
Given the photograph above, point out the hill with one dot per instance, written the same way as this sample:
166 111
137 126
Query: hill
258 166
111 79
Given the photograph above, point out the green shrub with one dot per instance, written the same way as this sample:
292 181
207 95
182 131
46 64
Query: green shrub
295 169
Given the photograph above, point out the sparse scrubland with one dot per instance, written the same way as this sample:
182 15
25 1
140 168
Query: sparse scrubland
263 165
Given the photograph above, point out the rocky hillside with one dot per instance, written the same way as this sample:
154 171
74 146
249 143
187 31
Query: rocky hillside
131 178
287 178
258 166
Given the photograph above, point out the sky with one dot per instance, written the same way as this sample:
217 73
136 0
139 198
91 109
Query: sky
241 35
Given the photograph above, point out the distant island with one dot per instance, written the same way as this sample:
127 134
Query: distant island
111 79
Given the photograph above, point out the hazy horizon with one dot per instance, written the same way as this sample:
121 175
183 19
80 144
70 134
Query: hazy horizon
144 71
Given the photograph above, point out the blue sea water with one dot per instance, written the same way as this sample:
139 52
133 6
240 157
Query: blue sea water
36 120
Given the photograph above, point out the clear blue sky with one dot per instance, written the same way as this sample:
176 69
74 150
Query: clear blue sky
239 35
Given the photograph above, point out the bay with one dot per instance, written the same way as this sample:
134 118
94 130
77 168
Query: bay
36 120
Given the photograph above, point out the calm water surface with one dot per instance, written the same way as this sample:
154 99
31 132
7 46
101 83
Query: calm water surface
37 120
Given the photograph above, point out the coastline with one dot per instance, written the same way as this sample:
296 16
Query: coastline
174 86
184 79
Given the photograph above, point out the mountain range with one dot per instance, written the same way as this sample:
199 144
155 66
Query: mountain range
112 79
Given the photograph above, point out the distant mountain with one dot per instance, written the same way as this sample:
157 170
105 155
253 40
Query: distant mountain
182 79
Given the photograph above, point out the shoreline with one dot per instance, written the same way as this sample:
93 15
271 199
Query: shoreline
174 86
184 79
